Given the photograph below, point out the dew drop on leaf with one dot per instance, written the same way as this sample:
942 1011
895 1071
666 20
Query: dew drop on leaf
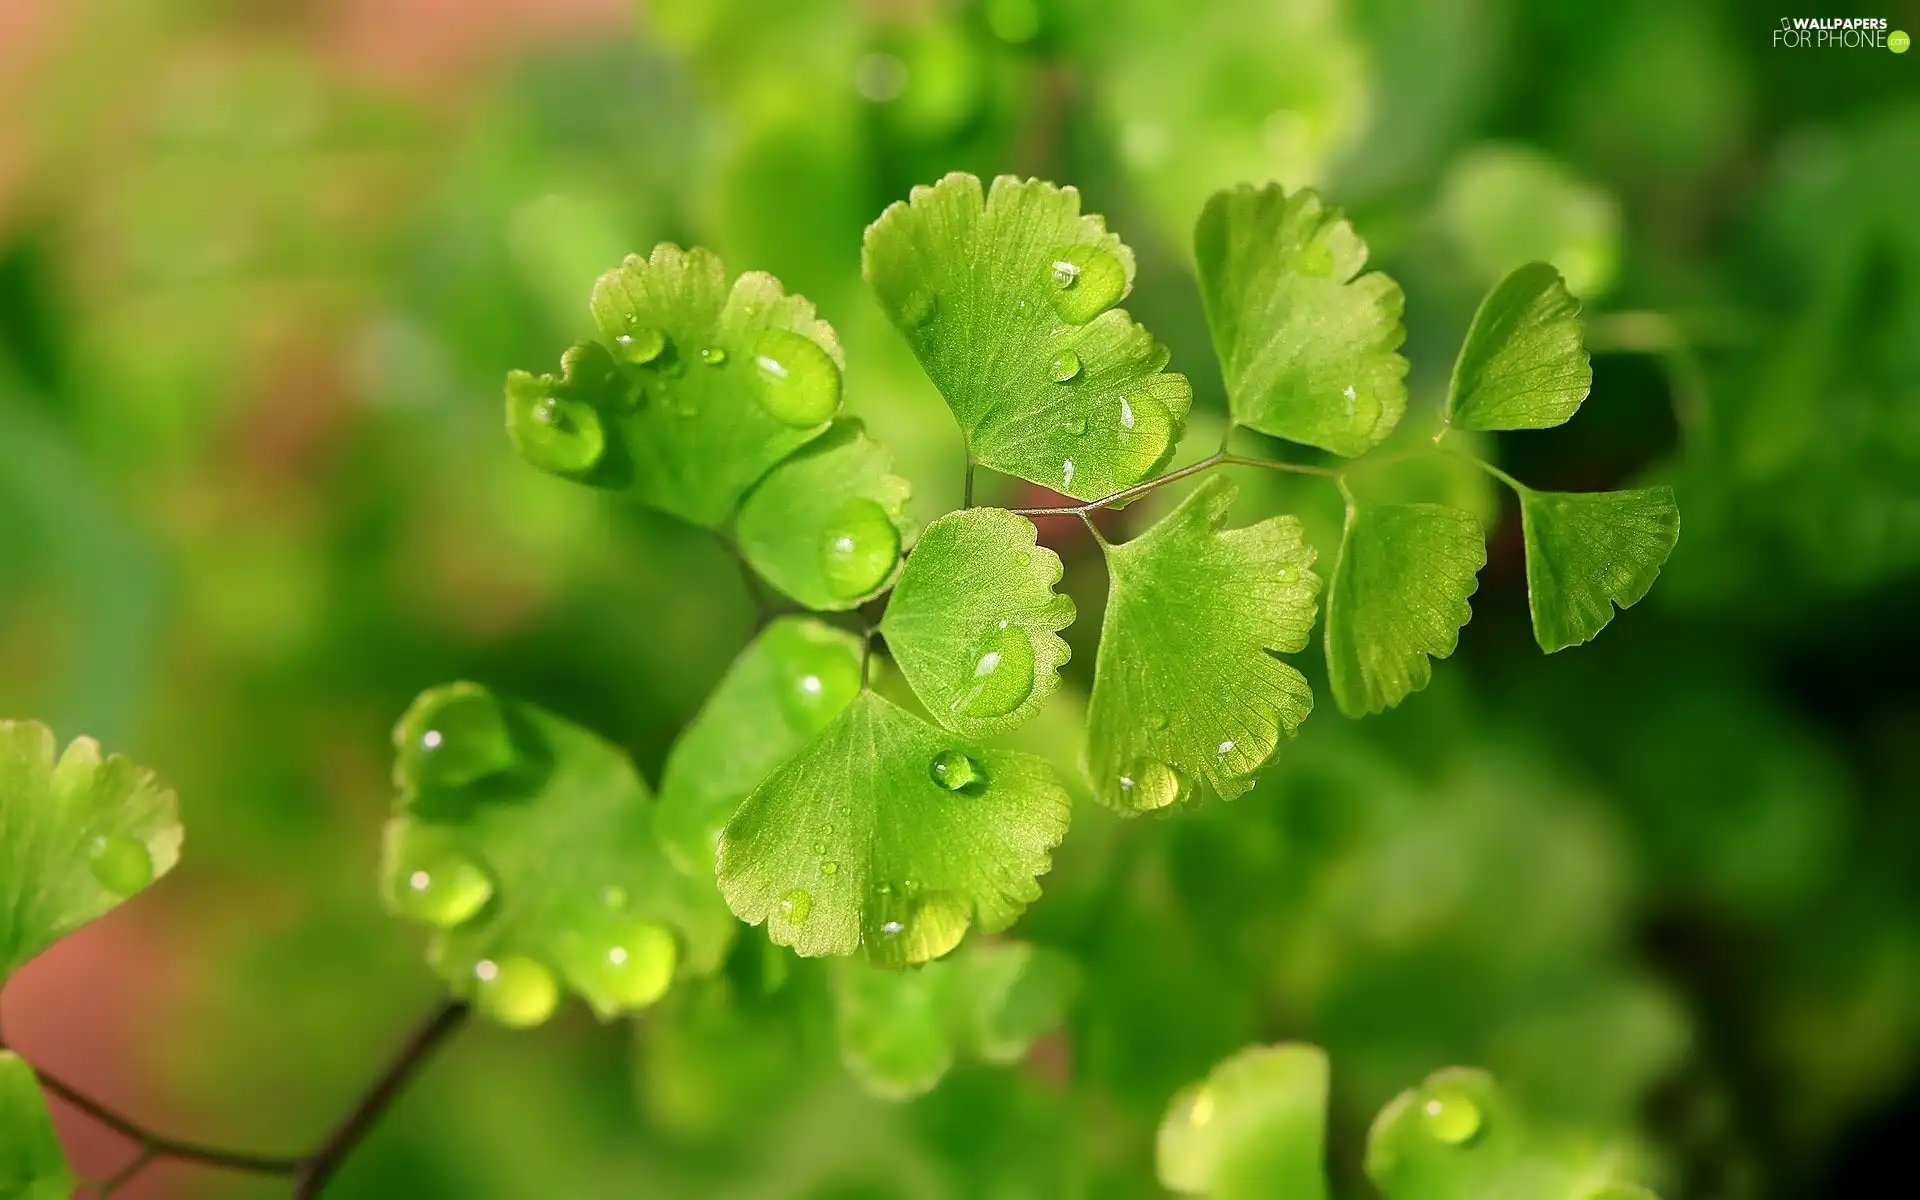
918 307
1149 783
1450 1116
829 868
956 772
1075 425
1002 676
120 864
1156 720
564 437
441 887
861 546
714 356
639 346
797 381
1086 282
1065 366
1142 429
796 906
514 991
892 928
626 964
463 739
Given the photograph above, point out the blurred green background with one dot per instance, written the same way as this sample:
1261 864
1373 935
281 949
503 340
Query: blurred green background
264 263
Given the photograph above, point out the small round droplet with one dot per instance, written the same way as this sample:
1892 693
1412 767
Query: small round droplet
956 772
463 738
714 356
639 345
1002 676
1148 783
119 863
860 544
1156 720
819 847
796 906
798 382
917 308
1075 425
626 964
564 437
1087 280
1066 365
829 868
1450 1115
514 991
440 886
892 928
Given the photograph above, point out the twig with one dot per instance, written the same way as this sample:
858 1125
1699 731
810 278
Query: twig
153 1146
1218 458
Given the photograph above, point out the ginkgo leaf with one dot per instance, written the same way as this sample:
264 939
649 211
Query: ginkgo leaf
1590 551
698 389
783 689
1007 300
1399 594
900 1031
826 526
79 834
1523 365
1255 1129
1459 1137
888 831
972 622
528 844
1308 345
32 1164
1187 685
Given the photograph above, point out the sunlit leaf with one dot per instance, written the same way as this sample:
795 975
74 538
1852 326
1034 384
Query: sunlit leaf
528 845
1254 1129
32 1164
1007 299
1308 344
888 831
1504 205
79 833
1523 365
1188 686
1590 551
1399 594
973 621
826 525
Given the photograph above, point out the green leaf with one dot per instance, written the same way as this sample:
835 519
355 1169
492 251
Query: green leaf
528 844
900 1031
1187 686
1399 594
826 526
1523 365
1503 205
78 835
32 1164
1458 1137
1007 301
698 389
972 622
784 688
890 832
1590 551
1255 1129
1308 345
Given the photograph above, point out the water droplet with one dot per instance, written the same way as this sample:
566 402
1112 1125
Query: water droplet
1002 676
562 436
1451 1115
1075 425
1066 365
892 928
1066 474
817 678
627 964
918 307
956 772
798 382
861 546
829 868
796 906
1353 399
440 886
119 863
886 889
514 991
639 346
827 830
463 739
1156 720
1087 281
714 356
1148 783
1226 748
819 847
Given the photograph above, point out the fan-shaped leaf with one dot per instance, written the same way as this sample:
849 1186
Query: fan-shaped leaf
1590 551
1523 365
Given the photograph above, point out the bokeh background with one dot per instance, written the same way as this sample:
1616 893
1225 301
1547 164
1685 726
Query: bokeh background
263 264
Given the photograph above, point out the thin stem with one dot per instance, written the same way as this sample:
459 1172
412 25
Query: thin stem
153 1146
1124 494
966 489
1490 469
313 1172
124 1175
1274 464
